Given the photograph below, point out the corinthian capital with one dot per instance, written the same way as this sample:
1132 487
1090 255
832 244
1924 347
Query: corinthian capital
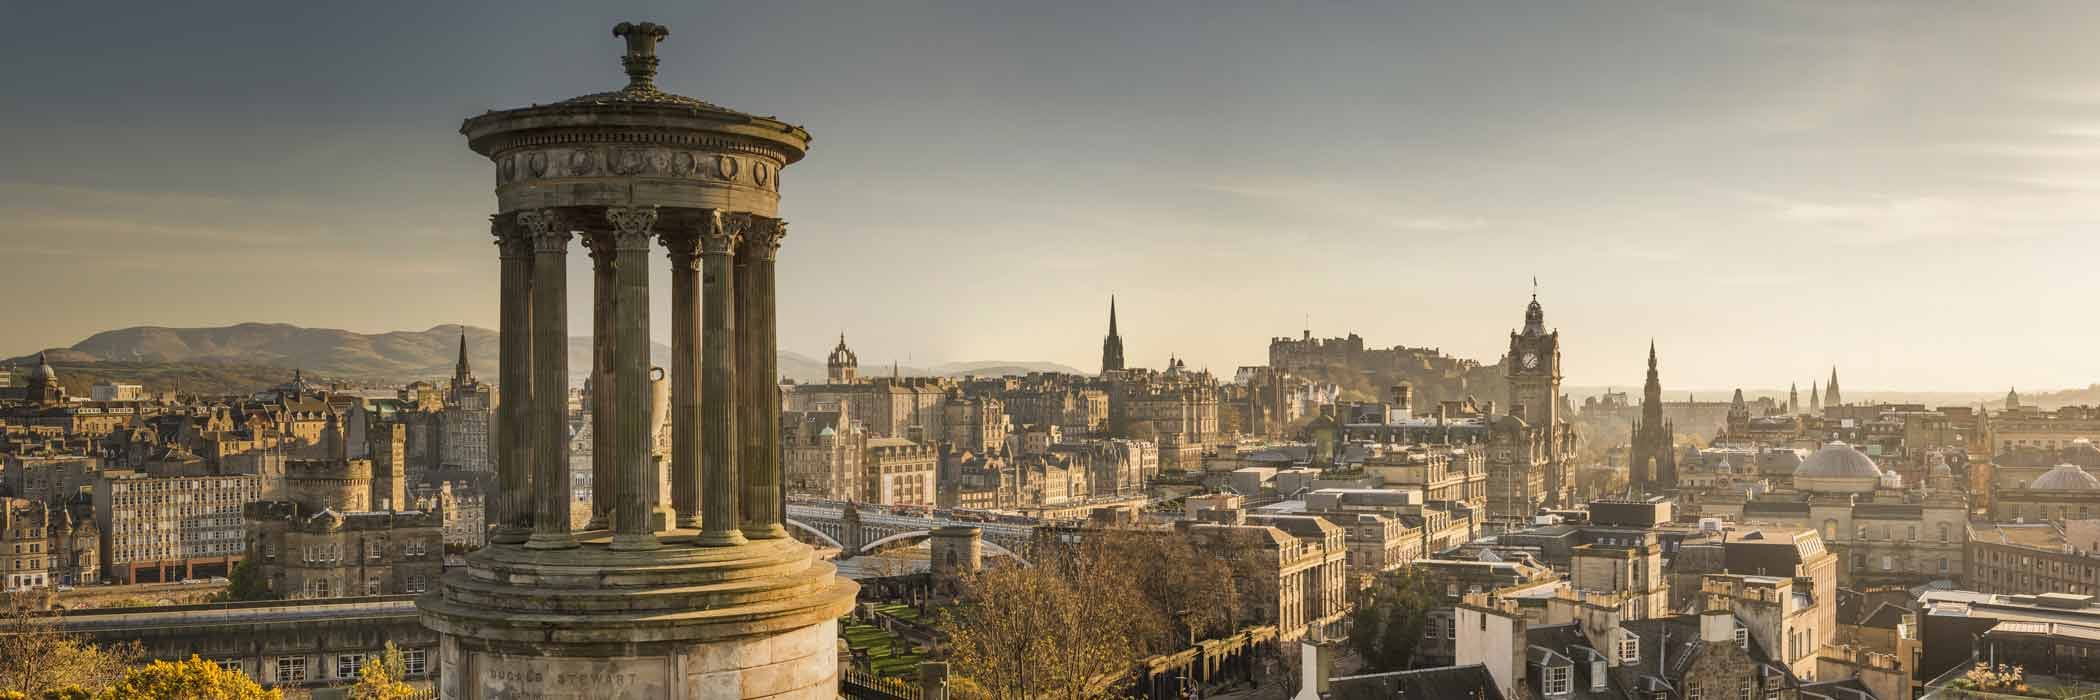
511 241
721 232
683 247
762 237
546 229
632 226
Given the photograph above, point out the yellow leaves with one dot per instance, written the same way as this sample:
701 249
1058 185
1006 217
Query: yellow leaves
195 679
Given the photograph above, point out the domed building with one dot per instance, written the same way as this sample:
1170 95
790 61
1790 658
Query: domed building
43 386
2065 477
2065 492
1837 468
1886 533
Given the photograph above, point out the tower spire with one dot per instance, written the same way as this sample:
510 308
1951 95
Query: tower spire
1111 315
1112 346
461 370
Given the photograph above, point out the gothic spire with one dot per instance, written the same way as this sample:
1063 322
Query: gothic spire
462 370
1112 346
1111 315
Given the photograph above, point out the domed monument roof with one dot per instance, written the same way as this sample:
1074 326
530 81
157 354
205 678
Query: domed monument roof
1837 468
43 371
2065 477
1838 460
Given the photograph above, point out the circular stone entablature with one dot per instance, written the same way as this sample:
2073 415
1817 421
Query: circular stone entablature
636 145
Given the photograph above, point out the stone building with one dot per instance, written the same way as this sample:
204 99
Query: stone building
1072 407
1175 409
1297 567
1887 534
975 422
295 646
465 426
823 453
48 478
1783 585
344 526
2034 558
894 406
167 528
43 545
899 472
2029 426
2064 492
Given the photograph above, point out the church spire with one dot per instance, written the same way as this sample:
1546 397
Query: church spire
1112 346
461 371
1830 393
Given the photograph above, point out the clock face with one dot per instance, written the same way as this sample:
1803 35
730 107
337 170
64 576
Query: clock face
1531 360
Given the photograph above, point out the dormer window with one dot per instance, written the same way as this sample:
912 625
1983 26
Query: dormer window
1559 680
1630 650
1742 637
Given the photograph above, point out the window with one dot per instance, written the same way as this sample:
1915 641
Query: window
347 665
1943 532
1742 638
1557 680
233 665
291 669
1744 693
1913 535
413 662
1630 650
1694 692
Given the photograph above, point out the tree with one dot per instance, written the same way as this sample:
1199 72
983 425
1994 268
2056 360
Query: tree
1054 630
38 658
195 679
246 582
1388 621
1086 612
380 679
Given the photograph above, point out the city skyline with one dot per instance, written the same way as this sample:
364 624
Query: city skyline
1791 187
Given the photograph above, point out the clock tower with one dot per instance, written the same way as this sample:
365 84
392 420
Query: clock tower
1533 370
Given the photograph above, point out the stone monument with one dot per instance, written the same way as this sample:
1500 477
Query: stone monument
719 602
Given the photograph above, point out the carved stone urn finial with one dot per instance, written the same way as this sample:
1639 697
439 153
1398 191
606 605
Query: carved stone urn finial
640 60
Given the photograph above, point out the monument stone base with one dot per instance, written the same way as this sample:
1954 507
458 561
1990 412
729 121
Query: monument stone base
753 621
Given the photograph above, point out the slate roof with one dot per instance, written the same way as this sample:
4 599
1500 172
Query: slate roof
1447 683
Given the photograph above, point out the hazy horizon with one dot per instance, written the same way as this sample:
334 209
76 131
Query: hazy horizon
1906 191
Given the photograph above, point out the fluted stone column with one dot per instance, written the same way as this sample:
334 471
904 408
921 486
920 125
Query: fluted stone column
511 508
719 517
632 230
550 374
605 474
759 387
683 247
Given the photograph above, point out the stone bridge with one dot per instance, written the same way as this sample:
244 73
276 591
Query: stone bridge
857 529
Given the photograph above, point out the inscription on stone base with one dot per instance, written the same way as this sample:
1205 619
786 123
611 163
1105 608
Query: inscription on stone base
498 677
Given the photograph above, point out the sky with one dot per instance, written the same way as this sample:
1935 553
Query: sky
1907 191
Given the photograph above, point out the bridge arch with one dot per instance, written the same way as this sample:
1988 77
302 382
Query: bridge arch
916 536
819 534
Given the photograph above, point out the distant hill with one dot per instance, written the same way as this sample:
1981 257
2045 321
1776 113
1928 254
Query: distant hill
251 356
